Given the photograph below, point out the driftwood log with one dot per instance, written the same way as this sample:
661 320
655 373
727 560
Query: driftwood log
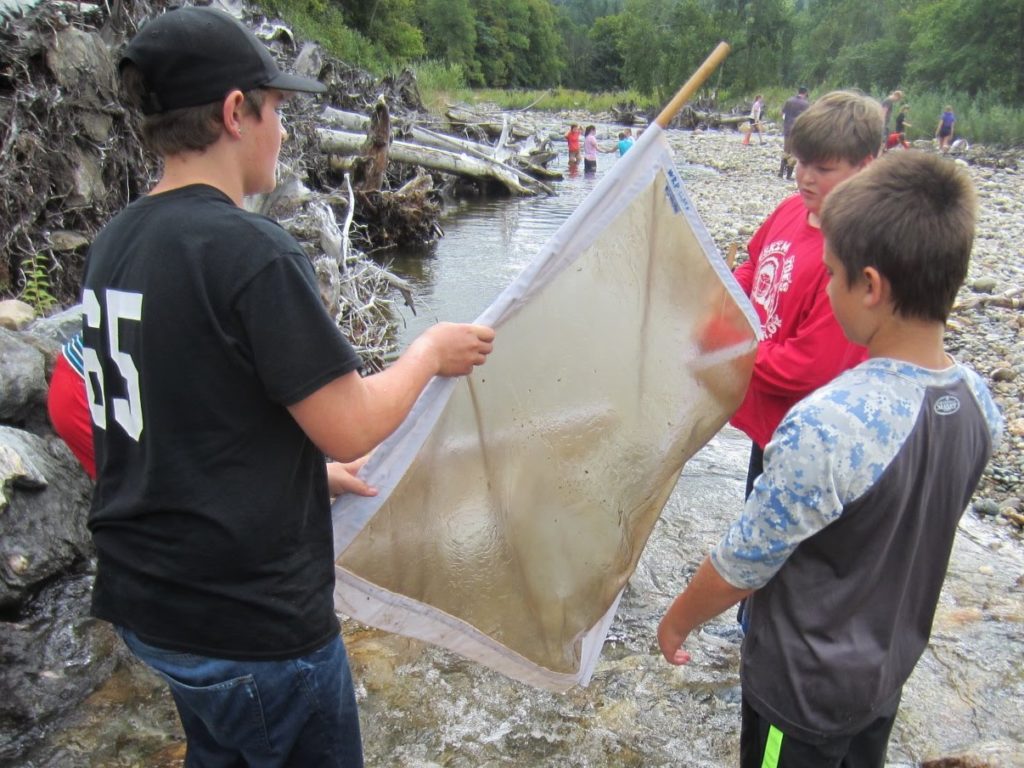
466 120
374 154
460 164
425 137
690 117
1009 299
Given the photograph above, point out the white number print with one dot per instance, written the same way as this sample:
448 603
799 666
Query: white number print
120 305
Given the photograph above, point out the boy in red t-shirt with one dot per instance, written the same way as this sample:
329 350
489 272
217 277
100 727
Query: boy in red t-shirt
803 346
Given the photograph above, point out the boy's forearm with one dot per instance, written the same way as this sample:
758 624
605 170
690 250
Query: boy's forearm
704 598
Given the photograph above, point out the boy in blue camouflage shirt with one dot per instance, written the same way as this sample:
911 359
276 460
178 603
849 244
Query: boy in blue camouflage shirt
844 543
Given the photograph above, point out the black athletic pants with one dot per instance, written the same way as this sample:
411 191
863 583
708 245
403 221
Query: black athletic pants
762 745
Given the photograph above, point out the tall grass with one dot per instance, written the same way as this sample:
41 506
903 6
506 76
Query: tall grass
437 86
440 83
980 120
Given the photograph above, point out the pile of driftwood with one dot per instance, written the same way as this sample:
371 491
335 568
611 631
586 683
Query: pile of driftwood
373 159
700 114
694 118
516 162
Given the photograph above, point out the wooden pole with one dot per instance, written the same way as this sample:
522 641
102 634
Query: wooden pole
690 86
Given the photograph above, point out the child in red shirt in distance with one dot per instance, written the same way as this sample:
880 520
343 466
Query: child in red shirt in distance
573 139
803 346
896 139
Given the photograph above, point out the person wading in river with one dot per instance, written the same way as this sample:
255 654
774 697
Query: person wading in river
217 382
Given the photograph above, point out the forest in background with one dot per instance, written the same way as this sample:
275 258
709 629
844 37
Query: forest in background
973 48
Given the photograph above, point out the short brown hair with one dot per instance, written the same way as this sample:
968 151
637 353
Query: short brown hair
184 129
910 215
841 125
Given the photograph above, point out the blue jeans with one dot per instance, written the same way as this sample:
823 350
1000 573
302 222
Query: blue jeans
297 713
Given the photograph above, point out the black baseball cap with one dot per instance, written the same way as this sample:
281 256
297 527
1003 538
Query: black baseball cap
191 56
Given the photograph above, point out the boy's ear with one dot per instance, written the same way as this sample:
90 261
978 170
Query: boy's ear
231 113
876 288
865 162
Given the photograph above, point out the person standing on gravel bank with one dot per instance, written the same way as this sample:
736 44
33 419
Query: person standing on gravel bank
803 346
755 120
888 103
944 130
217 383
843 547
791 110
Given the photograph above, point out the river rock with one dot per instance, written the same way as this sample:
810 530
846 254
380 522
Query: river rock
22 377
984 285
985 508
50 333
54 656
986 755
15 314
44 498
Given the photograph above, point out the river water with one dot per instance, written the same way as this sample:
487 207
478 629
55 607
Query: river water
424 707
486 244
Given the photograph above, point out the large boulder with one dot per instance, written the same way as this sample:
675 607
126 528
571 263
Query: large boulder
44 500
52 654
23 377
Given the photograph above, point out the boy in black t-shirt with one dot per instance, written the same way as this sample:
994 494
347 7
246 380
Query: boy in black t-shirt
216 383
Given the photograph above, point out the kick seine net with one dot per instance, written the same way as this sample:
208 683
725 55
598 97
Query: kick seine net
514 503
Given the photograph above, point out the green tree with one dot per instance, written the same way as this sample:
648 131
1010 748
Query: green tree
604 71
762 41
498 41
848 43
587 12
589 31
386 23
517 43
662 42
545 55
969 46
578 50
449 34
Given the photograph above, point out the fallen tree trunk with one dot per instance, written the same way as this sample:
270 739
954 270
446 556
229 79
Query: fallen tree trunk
492 128
353 121
459 164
